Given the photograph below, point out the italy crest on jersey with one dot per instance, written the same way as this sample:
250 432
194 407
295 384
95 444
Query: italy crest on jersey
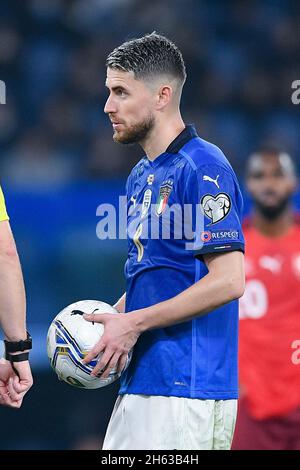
164 194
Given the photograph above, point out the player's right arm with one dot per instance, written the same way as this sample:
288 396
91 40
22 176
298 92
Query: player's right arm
120 304
14 381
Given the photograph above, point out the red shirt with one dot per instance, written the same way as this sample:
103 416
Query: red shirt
269 348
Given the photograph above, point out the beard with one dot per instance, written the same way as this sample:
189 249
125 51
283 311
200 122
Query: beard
275 211
136 133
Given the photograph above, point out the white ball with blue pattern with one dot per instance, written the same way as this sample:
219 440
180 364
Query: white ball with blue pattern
69 339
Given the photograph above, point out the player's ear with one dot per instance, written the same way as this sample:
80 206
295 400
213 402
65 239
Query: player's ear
164 96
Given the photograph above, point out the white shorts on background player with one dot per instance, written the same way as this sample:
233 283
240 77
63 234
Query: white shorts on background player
141 422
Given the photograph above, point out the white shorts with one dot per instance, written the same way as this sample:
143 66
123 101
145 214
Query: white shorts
140 422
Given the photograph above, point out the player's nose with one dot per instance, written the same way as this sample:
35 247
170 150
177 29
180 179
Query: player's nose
270 184
110 106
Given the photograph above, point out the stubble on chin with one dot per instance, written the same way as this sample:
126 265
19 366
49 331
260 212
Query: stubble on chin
136 133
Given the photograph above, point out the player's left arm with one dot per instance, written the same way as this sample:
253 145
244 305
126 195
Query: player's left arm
224 282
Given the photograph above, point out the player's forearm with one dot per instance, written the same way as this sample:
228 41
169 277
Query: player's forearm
120 304
204 296
12 296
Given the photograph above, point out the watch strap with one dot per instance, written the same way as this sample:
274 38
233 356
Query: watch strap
15 346
17 357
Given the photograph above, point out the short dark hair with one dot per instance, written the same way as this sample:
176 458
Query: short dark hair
269 148
148 56
272 149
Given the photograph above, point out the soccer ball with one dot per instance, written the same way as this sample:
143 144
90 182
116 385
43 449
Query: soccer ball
69 339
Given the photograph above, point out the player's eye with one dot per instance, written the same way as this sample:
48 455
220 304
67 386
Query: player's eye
258 176
120 92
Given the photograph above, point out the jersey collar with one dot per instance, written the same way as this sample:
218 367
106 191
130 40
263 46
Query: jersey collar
188 133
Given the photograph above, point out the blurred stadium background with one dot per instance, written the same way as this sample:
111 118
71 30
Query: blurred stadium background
58 161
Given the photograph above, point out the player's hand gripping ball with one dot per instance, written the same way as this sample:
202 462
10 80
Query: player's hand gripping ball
70 338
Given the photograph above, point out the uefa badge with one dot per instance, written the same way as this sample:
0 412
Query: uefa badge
164 194
217 207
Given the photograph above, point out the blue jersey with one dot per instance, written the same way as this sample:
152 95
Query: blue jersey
197 358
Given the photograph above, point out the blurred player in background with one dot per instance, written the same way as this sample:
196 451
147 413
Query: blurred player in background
269 410
15 373
180 390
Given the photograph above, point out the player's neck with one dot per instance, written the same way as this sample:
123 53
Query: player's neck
276 227
161 136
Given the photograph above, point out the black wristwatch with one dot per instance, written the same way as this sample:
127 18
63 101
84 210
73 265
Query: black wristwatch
14 346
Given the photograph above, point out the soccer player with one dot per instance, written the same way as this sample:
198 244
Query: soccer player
269 359
15 373
180 390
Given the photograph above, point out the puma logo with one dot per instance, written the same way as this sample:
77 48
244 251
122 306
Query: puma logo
215 181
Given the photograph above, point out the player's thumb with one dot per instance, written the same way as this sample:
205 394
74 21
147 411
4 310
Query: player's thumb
95 318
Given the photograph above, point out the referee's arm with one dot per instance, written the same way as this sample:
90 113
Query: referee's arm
12 292
16 379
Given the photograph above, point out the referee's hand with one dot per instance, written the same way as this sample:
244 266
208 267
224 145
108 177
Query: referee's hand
13 386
